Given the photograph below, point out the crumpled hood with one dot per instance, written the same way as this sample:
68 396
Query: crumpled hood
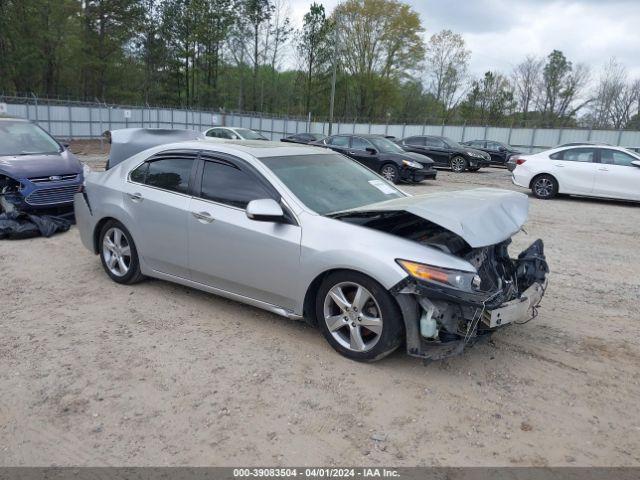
39 165
482 217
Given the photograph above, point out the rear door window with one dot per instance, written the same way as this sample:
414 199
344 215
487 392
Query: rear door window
435 142
586 155
167 171
170 174
339 141
418 141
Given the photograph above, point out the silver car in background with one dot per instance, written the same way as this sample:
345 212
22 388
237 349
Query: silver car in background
308 233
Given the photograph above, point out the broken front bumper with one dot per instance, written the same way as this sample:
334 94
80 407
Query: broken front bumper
520 309
465 317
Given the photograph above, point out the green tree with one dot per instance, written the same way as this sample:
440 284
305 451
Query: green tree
489 100
314 48
563 83
447 60
379 45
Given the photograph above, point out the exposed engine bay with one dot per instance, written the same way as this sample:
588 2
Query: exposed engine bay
509 289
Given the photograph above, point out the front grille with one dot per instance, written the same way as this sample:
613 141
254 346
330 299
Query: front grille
52 196
54 178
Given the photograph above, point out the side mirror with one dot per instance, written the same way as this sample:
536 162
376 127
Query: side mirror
265 210
372 151
502 149
636 163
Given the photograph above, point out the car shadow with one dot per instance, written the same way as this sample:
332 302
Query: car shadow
591 200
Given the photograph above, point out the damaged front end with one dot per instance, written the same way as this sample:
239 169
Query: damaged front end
446 309
10 196
442 319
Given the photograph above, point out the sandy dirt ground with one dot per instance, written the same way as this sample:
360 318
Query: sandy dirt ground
95 373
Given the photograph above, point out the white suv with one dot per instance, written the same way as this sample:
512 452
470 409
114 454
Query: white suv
589 170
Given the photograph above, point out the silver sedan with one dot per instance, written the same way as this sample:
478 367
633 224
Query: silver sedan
308 233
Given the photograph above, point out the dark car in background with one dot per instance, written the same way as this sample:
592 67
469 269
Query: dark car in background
37 174
499 152
382 156
446 152
303 138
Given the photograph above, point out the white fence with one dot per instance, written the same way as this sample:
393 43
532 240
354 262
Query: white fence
526 139
86 121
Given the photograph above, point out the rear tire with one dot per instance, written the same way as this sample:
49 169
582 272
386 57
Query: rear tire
544 187
358 317
118 253
458 164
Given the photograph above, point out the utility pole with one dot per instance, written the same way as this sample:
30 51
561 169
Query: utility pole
333 75
333 96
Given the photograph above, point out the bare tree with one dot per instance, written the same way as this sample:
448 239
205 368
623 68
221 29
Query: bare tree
526 78
447 60
615 97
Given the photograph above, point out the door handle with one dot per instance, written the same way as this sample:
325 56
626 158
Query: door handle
136 197
559 165
603 169
351 153
203 217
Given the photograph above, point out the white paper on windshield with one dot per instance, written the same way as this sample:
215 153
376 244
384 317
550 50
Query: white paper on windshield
383 187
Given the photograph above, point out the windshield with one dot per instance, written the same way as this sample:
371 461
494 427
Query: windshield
328 183
24 138
385 145
249 134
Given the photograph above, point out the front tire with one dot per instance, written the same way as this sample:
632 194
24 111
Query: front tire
390 172
358 317
458 164
544 187
118 253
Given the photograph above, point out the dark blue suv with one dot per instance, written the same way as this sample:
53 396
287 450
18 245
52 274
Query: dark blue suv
37 174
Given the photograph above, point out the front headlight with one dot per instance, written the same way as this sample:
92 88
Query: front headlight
411 164
467 281
475 154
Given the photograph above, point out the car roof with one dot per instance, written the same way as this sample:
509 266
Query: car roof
363 135
588 145
257 148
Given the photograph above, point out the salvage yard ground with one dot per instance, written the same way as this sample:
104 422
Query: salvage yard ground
96 373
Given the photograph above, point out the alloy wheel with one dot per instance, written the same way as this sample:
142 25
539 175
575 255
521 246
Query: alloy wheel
353 316
116 252
543 187
458 164
389 172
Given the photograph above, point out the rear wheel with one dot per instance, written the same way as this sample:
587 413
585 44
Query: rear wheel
544 187
358 317
458 164
118 253
390 172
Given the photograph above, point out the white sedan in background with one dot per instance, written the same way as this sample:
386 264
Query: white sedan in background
233 133
589 170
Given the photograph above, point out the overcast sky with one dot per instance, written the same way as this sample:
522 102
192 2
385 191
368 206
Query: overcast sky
502 32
